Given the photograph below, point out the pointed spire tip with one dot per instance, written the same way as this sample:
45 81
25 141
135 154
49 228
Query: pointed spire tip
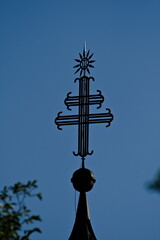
85 46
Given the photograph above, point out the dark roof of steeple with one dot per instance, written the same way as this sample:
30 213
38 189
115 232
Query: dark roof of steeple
82 229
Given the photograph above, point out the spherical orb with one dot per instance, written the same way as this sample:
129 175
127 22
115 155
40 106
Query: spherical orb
83 180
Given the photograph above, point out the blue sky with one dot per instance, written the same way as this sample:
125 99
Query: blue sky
39 41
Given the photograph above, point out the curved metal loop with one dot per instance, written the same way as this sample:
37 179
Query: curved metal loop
90 153
108 109
65 101
78 154
100 94
59 128
108 124
76 79
99 91
68 94
56 121
111 115
92 78
75 154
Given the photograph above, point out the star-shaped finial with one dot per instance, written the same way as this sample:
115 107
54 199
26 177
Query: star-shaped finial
84 63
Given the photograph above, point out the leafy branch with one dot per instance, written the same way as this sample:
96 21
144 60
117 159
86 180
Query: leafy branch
15 216
154 185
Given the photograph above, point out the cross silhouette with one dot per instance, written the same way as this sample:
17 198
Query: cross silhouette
84 100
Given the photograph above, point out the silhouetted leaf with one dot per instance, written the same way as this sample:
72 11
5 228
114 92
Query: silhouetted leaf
155 184
39 195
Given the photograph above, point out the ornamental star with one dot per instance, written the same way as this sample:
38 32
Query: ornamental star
84 63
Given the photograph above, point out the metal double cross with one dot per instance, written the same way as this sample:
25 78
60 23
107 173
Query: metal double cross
84 118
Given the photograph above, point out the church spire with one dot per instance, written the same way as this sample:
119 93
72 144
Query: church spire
83 179
82 229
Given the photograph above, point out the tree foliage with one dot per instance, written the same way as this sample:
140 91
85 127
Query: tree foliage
155 184
15 217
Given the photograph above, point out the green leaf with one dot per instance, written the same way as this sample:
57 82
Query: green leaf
33 218
39 196
29 232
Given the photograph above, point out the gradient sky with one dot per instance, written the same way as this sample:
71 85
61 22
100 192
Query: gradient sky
38 43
